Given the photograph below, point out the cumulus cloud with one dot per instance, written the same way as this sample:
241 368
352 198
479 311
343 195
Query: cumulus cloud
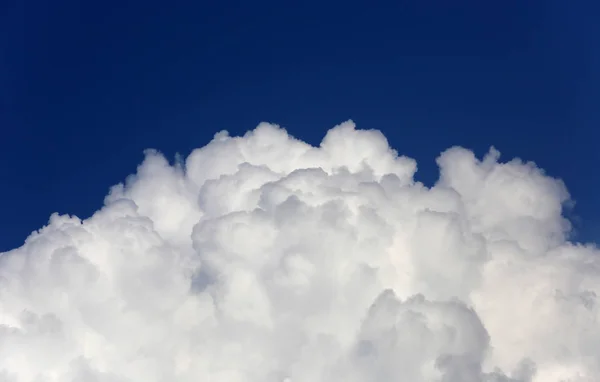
262 258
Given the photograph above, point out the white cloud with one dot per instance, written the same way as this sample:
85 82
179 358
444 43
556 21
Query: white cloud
263 258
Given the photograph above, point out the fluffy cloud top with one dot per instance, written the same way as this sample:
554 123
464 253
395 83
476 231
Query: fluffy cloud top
262 258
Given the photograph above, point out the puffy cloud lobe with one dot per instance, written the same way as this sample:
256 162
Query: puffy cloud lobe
262 258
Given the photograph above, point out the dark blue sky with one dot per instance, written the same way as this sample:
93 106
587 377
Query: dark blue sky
85 87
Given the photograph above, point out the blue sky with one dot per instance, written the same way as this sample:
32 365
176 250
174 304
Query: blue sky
85 87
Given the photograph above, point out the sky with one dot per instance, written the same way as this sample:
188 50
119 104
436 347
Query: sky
262 191
86 87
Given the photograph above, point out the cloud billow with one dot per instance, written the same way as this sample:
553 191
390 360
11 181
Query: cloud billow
262 258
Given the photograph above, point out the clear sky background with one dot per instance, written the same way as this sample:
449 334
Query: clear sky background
85 87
